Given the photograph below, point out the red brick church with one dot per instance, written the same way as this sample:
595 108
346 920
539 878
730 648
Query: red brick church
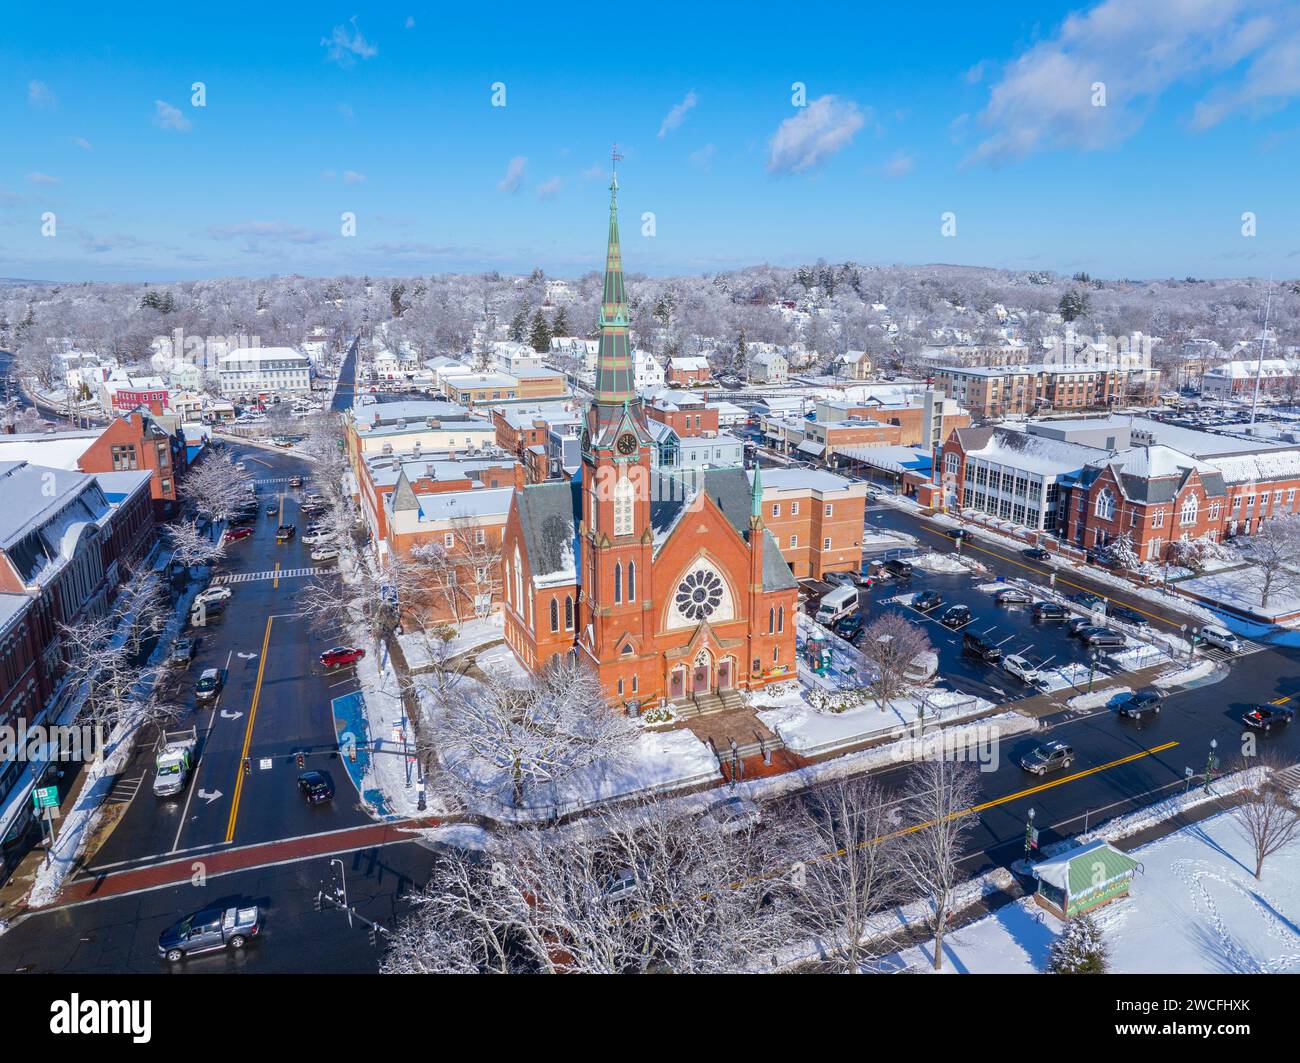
668 592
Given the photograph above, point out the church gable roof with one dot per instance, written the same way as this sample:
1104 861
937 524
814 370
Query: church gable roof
776 573
549 514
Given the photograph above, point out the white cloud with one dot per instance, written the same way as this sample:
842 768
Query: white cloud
168 117
39 95
39 178
704 157
82 143
900 165
548 189
677 115
1140 50
974 75
818 131
351 177
267 230
514 175
345 48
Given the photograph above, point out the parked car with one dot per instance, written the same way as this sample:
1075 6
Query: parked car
209 930
284 533
1129 616
1103 638
1220 637
1020 667
840 578
619 885
272 509
341 655
234 535
847 627
927 600
243 517
1036 553
1141 703
900 568
1084 600
1266 717
316 787
1050 611
318 536
295 481
219 593
955 616
732 815
1012 596
1050 756
183 650
209 685
325 553
1076 625
979 647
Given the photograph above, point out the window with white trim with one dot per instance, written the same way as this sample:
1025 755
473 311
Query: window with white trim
1105 506
624 499
1191 506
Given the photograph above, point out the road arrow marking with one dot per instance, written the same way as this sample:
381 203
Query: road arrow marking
246 656
209 795
230 715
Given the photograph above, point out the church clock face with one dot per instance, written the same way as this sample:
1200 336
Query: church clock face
699 594
627 444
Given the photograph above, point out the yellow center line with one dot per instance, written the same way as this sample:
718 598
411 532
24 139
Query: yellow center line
1046 571
1281 700
248 735
275 580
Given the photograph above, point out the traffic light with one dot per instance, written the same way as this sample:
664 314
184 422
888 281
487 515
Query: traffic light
248 765
302 761
373 934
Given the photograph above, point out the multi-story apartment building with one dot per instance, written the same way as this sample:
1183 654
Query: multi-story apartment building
255 373
1001 390
816 519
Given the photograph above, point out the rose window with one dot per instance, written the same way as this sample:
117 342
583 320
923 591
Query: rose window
699 594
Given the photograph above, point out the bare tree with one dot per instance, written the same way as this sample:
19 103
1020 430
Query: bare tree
1264 813
1274 549
216 487
854 873
191 547
891 645
527 741
940 794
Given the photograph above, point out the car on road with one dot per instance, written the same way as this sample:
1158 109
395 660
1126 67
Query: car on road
295 481
619 885
325 553
1266 717
284 533
234 535
1050 611
1221 638
956 616
1103 637
957 534
1129 616
848 627
219 593
1020 667
732 815
927 600
272 508
1012 596
981 648
211 680
209 930
341 655
1036 553
241 466
316 787
1084 600
1141 703
280 441
1049 756
183 650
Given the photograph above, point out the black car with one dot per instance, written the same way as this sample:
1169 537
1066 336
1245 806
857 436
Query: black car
848 627
927 600
1103 637
1129 616
1036 553
1050 756
1266 717
1012 596
1050 611
316 786
899 567
284 533
1086 601
295 481
243 517
956 533
956 616
978 646
1139 703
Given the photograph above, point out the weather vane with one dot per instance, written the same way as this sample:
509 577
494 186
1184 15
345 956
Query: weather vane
614 154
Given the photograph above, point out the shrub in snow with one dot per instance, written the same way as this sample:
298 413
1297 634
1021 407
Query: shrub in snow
1080 950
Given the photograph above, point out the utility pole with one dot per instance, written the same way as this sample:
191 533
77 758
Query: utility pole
1259 364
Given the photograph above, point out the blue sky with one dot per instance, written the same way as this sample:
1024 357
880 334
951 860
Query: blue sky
910 112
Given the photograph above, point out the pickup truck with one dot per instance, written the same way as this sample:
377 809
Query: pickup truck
209 930
173 759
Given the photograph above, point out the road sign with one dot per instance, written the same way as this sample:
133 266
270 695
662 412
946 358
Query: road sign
1033 837
45 797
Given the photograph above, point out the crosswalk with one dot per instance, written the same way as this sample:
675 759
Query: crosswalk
272 480
284 573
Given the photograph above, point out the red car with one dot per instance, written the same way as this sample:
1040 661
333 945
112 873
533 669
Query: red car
341 655
233 535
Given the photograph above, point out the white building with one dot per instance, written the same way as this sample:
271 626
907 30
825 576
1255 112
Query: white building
253 371
769 367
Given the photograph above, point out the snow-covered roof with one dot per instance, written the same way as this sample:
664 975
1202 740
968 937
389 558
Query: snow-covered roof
685 364
1030 453
1266 465
1154 461
489 502
55 450
262 354
891 459
801 480
1086 867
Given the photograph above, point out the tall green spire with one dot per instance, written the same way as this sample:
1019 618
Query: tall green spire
756 495
615 377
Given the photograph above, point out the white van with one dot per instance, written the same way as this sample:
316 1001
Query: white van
1020 667
840 602
1221 637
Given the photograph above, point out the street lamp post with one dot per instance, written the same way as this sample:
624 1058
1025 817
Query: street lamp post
1209 763
1092 668
1029 836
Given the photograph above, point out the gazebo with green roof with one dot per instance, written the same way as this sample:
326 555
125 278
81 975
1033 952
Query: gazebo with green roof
1083 879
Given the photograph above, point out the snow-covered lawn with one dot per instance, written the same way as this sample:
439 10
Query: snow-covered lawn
1194 909
947 564
1242 588
475 632
1098 698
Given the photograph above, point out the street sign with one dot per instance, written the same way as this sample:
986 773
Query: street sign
45 797
1033 837
265 763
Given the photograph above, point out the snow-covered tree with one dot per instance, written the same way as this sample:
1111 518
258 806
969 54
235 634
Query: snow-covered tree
1080 949
1264 813
891 645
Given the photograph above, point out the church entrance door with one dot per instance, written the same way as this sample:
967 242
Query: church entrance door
724 675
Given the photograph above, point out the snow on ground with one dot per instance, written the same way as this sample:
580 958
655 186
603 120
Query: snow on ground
1242 588
946 563
881 538
1098 698
1075 674
1189 674
1140 656
1195 908
473 633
